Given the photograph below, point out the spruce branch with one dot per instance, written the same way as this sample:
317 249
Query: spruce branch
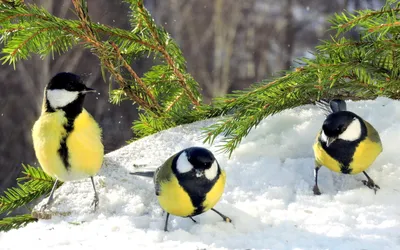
29 29
346 21
34 184
377 28
341 68
136 77
15 222
150 24
13 4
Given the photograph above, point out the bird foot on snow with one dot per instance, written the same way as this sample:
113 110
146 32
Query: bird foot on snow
43 214
95 202
371 184
316 190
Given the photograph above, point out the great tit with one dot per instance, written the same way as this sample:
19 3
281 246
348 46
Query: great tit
189 183
346 143
66 138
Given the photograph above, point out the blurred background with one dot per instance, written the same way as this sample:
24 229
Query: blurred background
228 44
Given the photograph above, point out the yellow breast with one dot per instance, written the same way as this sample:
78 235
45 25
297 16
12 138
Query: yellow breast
365 154
215 193
173 198
47 133
84 145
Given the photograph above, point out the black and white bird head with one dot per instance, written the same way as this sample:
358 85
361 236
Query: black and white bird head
197 162
342 125
64 89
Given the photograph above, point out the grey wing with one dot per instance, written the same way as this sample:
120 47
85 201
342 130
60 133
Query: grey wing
156 183
163 174
373 135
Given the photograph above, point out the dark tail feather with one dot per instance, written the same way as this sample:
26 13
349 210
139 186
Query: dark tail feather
324 105
149 174
338 105
331 106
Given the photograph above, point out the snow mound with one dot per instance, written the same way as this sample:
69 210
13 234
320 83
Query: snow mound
268 194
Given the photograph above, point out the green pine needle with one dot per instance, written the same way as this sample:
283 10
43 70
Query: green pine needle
34 184
167 96
341 68
16 222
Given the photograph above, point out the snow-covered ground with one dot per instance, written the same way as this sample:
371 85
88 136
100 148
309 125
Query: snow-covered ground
268 195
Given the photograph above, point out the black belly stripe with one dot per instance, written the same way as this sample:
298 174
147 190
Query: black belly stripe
72 111
343 152
197 189
63 150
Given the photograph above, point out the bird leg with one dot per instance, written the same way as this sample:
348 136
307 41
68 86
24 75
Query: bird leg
370 183
95 202
192 219
42 213
316 188
166 223
226 218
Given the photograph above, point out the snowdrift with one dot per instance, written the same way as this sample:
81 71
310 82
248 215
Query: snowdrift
268 194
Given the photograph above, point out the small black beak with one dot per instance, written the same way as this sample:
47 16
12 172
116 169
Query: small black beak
330 140
88 90
199 173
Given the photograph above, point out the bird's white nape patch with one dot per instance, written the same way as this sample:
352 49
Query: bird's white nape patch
353 131
212 172
324 138
182 164
59 98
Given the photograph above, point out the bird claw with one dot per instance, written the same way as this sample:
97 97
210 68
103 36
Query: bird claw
95 202
227 219
371 184
42 213
316 190
193 219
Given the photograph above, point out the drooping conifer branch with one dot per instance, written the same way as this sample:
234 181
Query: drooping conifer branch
342 68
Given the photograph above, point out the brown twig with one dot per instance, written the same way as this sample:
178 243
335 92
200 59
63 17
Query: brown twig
15 51
84 17
90 37
31 177
135 76
170 61
124 85
381 26
175 101
110 66
111 33
372 13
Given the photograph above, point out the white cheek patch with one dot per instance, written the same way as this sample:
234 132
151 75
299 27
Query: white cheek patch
353 131
182 164
212 172
59 98
324 138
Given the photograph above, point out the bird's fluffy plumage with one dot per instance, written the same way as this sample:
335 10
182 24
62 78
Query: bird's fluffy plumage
66 138
346 143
